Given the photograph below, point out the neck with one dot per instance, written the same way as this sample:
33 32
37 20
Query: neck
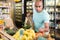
40 11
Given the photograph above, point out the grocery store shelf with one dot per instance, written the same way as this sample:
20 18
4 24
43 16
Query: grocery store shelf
57 21
18 6
53 6
57 12
49 6
18 15
18 9
29 5
58 6
18 20
29 9
5 13
4 7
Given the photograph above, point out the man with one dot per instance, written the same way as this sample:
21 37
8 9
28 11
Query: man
40 18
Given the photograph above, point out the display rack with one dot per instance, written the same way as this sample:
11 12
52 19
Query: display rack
4 8
18 11
4 11
29 7
53 8
50 8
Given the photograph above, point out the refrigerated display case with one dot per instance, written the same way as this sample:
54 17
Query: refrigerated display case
18 11
29 6
18 14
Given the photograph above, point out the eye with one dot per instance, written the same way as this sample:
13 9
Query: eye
37 6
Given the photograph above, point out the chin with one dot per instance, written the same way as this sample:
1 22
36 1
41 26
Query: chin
38 11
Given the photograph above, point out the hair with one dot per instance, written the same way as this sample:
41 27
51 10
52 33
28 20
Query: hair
29 13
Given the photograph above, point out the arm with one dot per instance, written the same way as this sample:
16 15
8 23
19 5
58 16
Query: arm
25 21
46 23
32 24
46 27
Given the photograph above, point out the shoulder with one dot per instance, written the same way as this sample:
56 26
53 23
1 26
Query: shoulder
45 12
46 15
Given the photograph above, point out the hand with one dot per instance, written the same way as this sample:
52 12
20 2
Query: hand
41 30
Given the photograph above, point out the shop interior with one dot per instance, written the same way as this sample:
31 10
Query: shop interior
13 16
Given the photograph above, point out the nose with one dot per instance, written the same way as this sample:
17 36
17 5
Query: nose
37 8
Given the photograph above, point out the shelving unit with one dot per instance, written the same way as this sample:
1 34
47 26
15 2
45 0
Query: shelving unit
4 13
29 6
18 11
53 8
4 8
49 6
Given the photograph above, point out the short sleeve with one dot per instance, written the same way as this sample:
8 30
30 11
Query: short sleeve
46 18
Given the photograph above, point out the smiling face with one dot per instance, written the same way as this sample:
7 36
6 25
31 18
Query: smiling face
38 6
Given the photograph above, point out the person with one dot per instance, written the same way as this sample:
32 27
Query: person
28 19
40 18
8 23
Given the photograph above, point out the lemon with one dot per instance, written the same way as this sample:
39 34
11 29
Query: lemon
29 38
24 37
